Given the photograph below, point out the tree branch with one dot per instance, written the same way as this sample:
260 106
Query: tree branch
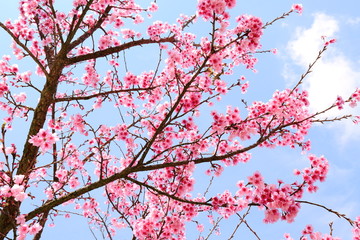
339 215
165 193
68 99
73 195
111 50
76 25
24 47
88 33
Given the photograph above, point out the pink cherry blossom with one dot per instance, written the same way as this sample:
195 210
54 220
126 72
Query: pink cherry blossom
35 228
44 139
3 89
17 191
298 8
153 7
21 97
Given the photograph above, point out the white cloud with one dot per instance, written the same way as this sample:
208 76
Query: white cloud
308 42
353 21
334 74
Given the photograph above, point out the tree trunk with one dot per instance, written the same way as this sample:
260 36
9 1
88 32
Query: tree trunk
28 159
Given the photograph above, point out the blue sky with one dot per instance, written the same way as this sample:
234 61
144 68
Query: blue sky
298 39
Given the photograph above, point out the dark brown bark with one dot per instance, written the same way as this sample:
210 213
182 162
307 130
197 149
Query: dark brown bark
122 47
28 159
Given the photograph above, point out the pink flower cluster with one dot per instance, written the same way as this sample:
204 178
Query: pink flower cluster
5 66
340 102
28 7
129 33
108 40
131 79
21 97
206 8
253 27
17 191
121 131
309 234
156 29
78 124
227 205
172 228
331 41
278 200
25 229
316 172
355 97
44 139
153 7
20 30
24 77
3 88
298 8
356 229
91 77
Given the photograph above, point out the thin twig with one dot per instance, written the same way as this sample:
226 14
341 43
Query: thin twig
25 48
248 226
165 193
339 215
242 219
214 227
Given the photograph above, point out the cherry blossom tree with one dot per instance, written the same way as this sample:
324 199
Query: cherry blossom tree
88 123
